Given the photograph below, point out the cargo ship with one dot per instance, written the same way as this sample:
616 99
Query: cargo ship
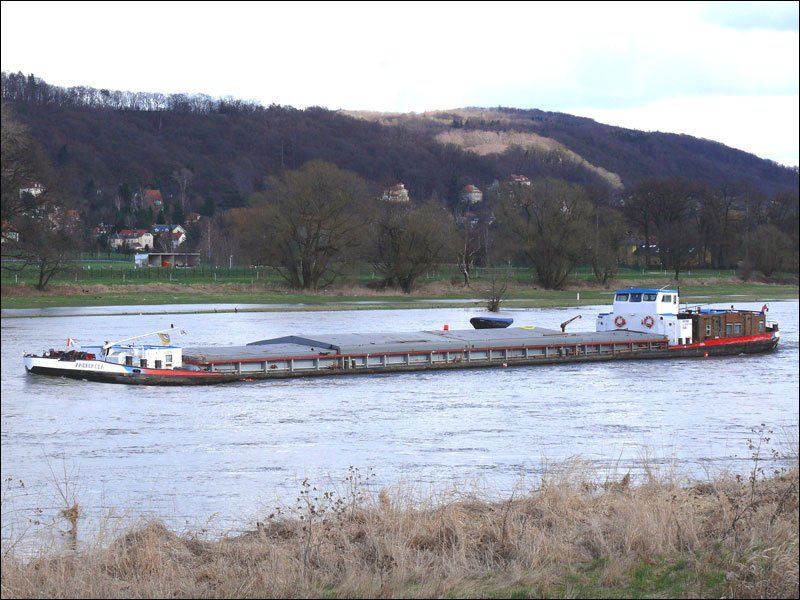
644 323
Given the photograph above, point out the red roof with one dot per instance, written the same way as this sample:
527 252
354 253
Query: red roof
133 233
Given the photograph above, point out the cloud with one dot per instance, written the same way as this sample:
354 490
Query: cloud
774 16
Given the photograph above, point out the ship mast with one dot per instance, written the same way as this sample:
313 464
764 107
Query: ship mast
108 345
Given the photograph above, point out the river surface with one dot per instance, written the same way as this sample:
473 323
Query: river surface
217 459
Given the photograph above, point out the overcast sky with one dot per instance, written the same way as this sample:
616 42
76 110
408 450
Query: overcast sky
726 71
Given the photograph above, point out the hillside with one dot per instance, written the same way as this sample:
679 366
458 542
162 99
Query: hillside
99 140
623 157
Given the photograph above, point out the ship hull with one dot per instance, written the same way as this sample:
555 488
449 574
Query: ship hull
282 358
104 372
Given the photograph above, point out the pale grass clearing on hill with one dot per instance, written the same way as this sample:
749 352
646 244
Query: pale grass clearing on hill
496 142
571 536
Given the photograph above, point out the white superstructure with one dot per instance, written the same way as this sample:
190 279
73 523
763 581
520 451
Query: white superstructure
648 310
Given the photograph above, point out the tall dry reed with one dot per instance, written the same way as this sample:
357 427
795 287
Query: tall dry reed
571 536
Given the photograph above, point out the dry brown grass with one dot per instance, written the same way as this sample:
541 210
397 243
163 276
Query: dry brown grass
735 537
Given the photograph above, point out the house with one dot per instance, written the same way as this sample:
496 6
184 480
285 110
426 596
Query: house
131 239
173 228
396 193
34 188
519 180
169 236
10 234
152 199
176 238
471 195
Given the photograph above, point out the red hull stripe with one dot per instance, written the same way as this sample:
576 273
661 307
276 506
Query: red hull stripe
761 337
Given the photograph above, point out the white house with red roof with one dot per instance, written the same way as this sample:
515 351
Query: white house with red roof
471 195
131 239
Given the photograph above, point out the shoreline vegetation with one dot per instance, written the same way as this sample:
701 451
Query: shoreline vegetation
573 536
436 294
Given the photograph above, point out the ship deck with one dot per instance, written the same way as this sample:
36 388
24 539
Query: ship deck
376 352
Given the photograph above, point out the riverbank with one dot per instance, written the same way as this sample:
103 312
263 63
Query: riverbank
574 536
440 295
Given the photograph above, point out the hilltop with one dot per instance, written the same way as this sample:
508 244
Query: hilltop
100 140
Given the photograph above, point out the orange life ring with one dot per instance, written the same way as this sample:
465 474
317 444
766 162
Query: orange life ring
620 321
648 321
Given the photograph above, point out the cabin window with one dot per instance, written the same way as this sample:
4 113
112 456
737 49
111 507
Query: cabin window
649 297
761 326
708 330
168 358
737 328
667 298
636 297
622 297
728 328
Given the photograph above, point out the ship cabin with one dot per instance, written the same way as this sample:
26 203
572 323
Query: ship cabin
714 324
658 311
144 356
648 310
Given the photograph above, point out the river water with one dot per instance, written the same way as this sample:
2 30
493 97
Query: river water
217 459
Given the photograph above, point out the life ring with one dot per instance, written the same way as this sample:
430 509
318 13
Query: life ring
620 321
648 321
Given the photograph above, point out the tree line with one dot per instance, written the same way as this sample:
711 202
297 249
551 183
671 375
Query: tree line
309 213
311 222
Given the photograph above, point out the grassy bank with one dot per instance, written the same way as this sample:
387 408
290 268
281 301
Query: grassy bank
435 294
570 537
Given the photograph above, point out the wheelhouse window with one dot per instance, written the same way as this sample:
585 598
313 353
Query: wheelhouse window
622 298
737 328
636 297
728 328
761 326
708 330
666 298
649 297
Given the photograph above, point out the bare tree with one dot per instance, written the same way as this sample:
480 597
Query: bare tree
551 221
409 242
606 241
310 222
34 231
45 247
771 250
469 246
498 286
182 177
672 205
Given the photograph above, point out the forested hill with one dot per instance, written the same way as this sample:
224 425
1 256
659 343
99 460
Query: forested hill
99 140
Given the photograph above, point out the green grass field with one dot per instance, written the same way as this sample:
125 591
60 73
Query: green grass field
107 283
